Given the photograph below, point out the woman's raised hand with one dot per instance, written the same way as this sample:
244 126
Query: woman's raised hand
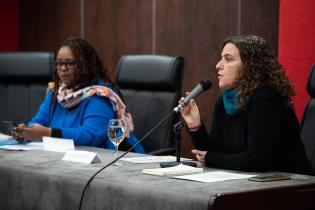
190 113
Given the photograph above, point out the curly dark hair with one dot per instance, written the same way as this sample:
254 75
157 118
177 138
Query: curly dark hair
90 67
261 68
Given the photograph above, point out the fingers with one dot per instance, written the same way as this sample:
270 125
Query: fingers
17 134
200 155
196 152
22 133
28 132
22 125
191 102
34 132
182 98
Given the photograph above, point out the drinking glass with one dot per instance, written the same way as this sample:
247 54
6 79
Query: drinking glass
116 134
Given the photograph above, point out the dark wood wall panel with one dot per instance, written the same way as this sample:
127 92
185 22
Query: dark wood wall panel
193 29
261 18
118 27
45 24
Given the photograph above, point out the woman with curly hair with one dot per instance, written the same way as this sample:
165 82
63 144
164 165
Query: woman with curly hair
254 126
80 102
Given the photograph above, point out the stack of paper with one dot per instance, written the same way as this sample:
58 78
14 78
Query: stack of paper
173 171
152 159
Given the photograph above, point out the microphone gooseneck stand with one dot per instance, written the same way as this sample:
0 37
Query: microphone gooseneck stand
125 153
177 128
203 85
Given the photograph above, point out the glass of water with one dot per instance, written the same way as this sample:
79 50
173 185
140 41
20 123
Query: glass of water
116 134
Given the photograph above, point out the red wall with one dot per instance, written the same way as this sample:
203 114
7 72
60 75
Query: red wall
9 25
297 44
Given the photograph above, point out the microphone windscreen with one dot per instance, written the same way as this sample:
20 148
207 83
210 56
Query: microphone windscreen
205 84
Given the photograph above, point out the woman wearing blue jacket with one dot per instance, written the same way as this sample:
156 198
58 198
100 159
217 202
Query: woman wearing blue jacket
80 102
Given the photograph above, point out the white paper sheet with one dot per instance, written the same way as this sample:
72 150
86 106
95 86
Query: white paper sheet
23 147
152 159
4 137
215 176
58 144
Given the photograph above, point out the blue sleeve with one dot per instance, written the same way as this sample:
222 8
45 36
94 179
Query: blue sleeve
92 130
42 116
132 140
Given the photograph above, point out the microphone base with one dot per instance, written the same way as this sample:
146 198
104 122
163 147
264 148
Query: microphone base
171 164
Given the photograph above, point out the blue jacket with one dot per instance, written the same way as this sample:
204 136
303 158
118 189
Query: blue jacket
86 124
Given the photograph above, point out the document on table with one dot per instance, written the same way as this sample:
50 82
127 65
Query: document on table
215 176
152 159
9 143
57 144
49 143
4 137
23 147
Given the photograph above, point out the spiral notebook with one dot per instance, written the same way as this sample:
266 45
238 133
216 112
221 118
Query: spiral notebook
173 171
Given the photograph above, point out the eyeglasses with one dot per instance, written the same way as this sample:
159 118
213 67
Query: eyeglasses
67 64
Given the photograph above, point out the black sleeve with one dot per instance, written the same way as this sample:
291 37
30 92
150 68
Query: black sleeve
203 140
262 134
55 132
200 138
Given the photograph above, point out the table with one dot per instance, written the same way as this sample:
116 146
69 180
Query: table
40 179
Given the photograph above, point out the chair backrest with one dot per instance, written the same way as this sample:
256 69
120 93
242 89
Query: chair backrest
23 83
308 120
151 86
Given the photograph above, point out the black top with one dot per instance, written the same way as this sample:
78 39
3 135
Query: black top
264 137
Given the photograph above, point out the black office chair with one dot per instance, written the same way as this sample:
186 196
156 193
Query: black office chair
151 86
23 83
308 120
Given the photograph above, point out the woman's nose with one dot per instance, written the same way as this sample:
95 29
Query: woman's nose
218 66
64 67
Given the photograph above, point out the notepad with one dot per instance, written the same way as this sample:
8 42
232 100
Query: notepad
173 171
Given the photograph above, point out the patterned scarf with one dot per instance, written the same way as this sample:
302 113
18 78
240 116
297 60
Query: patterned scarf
68 99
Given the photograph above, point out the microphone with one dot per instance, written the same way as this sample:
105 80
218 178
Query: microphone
202 86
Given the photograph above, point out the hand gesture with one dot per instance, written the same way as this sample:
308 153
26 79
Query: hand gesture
33 132
190 113
200 155
16 132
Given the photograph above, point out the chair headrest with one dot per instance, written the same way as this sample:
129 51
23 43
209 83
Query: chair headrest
18 66
151 72
311 82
